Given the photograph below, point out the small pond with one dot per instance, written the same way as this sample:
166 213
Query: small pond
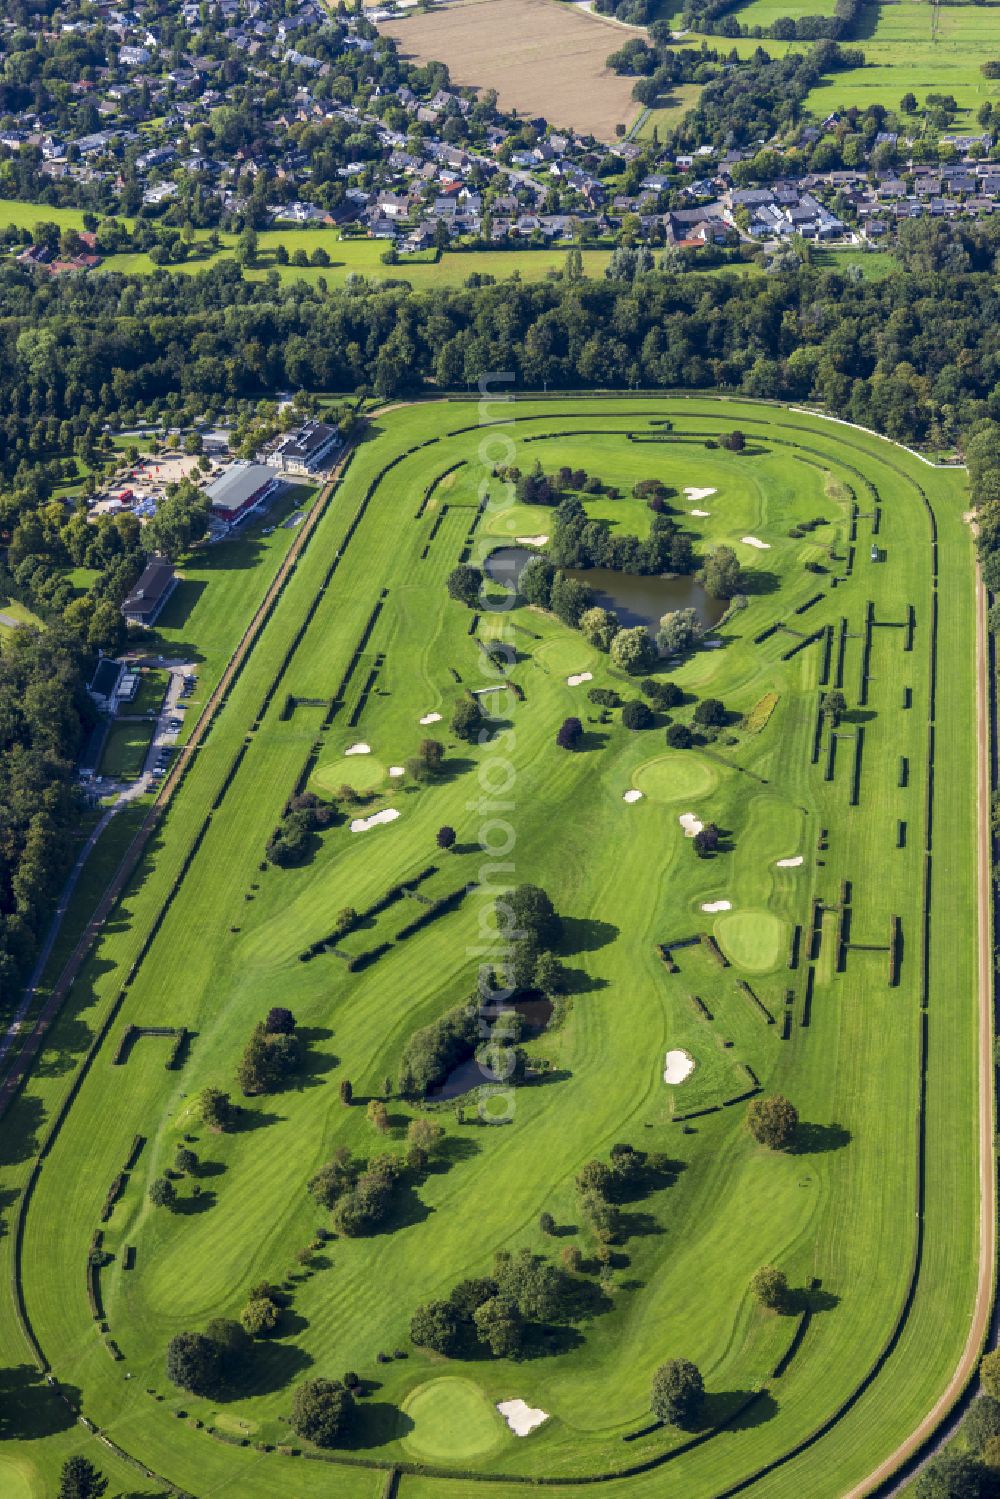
535 1010
636 599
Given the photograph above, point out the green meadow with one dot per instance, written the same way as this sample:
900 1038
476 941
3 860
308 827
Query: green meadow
881 1064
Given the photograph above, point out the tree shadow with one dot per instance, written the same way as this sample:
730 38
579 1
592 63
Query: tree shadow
590 740
858 715
71 1039
737 1410
376 1423
638 1225
578 981
811 1298
816 1139
190 1207
206 1169
250 1119
452 1150
270 1368
758 580
452 767
8 1197
405 1210
585 934
19 1136
30 1408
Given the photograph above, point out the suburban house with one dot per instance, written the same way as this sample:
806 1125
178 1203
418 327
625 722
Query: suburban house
239 488
154 587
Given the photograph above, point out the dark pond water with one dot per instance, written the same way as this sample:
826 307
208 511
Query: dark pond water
636 600
535 1011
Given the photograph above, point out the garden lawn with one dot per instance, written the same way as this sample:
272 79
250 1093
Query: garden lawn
126 748
841 1209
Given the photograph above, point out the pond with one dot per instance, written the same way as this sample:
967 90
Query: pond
636 599
535 1010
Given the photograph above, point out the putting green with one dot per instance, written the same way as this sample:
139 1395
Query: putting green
363 772
563 657
453 1419
678 777
754 940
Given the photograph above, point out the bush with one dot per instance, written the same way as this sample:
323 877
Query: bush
951 1475
679 736
467 719
605 697
721 574
81 1480
772 1121
633 651
989 1373
599 627
570 733
636 715
215 1108
322 1411
710 711
279 1022
569 599
535 582
678 632
769 1288
677 1392
446 837
436 1326
663 695
982 1422
465 584
706 840
259 1317
162 1193
194 1362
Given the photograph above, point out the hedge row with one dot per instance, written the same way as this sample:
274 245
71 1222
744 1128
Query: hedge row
800 645
911 625
859 741
895 950
438 908
866 655
824 670
838 680
700 1007
793 946
809 603
710 944
434 484
755 1001
384 901
807 997
818 731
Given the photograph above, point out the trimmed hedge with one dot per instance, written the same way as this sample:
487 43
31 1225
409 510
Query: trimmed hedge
755 1001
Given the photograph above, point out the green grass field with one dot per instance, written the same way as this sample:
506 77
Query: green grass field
126 748
840 1209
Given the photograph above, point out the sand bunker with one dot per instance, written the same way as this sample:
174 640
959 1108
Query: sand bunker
695 495
578 677
362 824
680 1064
531 541
701 512
431 718
397 770
717 905
632 796
755 541
521 1418
690 824
359 749
789 863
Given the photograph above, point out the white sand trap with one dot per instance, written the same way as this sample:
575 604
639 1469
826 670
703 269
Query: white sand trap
695 495
690 824
701 512
680 1064
521 1418
755 541
531 541
362 824
397 770
359 749
717 905
632 796
789 863
578 677
431 718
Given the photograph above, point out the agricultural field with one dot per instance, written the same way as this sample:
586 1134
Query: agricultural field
542 58
914 46
813 954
